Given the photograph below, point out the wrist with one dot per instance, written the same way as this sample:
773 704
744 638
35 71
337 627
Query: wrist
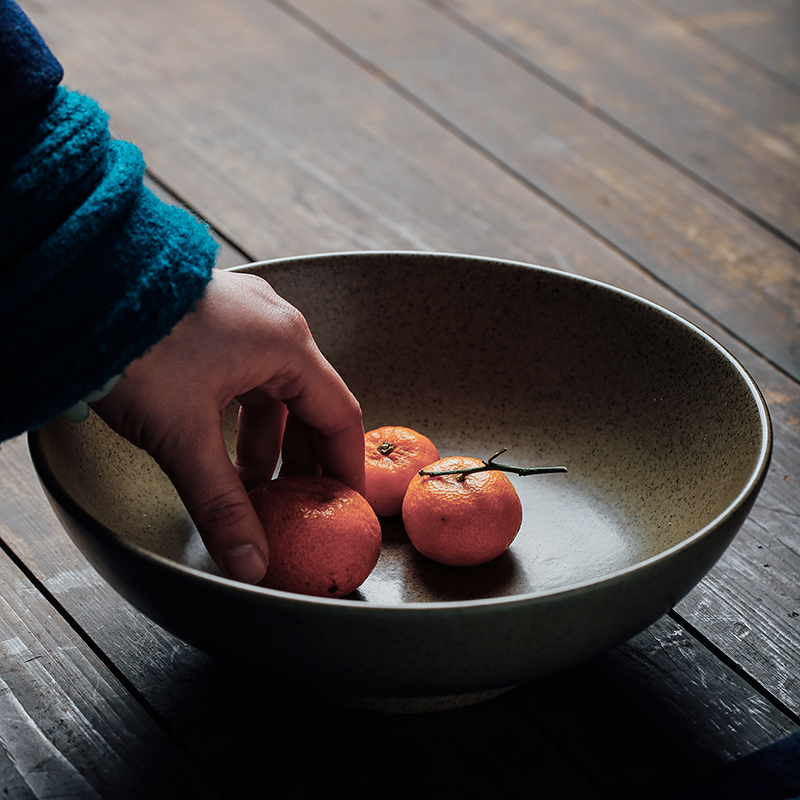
80 410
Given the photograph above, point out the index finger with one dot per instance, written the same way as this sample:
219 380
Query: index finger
331 417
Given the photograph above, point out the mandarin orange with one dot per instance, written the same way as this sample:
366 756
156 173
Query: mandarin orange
392 456
324 538
461 520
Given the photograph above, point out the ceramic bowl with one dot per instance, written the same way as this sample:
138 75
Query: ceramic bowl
666 438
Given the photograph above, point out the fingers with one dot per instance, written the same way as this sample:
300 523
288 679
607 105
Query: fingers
259 437
241 341
217 501
277 356
299 449
325 432
329 438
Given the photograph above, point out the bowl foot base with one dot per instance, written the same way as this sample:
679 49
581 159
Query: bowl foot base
412 705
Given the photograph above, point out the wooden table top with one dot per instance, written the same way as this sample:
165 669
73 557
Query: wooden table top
651 144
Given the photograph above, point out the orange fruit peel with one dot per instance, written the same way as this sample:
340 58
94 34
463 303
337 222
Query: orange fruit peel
392 457
324 538
461 519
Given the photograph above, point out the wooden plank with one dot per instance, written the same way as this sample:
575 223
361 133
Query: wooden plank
750 602
721 260
264 170
67 726
385 175
767 31
12 783
656 729
713 113
27 524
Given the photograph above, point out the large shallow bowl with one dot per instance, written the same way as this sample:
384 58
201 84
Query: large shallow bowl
666 438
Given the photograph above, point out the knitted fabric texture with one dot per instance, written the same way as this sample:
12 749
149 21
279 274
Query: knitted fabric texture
28 70
94 269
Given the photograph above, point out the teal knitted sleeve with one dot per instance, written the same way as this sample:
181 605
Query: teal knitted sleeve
94 269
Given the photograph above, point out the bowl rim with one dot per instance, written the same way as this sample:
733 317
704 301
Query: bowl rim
756 478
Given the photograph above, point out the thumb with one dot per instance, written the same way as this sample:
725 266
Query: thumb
216 499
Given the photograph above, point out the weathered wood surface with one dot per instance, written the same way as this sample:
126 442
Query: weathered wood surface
767 31
538 66
329 125
714 114
68 728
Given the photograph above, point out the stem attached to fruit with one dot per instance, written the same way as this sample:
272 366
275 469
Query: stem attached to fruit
491 464
385 448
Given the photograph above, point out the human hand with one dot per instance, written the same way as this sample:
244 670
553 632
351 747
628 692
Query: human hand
242 341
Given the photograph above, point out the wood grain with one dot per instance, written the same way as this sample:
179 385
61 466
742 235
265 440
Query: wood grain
767 31
656 729
67 726
346 165
713 113
720 259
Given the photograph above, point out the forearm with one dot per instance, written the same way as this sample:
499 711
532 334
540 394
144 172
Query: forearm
94 269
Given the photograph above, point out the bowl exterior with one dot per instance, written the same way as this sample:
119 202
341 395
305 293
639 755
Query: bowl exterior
404 651
414 649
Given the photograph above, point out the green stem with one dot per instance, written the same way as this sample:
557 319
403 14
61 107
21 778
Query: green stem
492 464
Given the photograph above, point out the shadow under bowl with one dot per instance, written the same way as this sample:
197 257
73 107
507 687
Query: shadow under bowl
666 437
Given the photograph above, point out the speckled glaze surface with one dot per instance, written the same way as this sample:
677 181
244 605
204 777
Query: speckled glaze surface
666 438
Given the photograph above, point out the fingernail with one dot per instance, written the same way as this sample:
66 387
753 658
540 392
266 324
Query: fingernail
245 563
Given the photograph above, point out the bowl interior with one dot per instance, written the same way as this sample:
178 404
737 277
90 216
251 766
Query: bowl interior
661 430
